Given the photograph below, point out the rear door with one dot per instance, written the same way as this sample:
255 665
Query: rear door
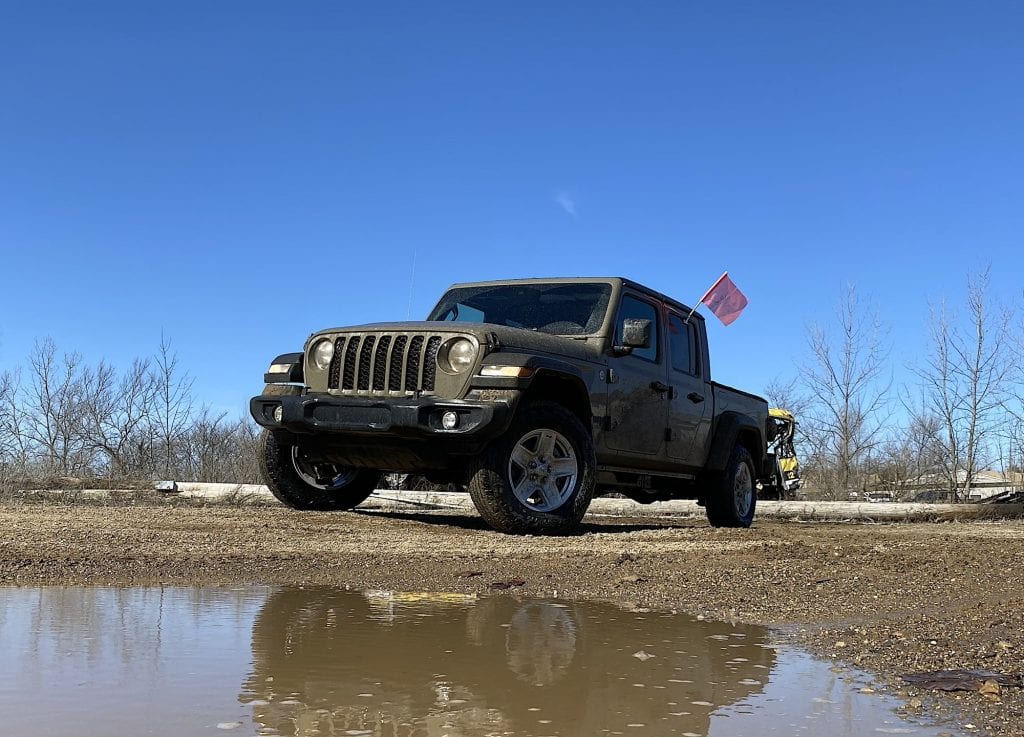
637 392
691 405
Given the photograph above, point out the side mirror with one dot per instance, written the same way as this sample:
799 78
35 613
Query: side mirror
636 333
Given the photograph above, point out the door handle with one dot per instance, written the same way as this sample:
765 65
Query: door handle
660 386
695 397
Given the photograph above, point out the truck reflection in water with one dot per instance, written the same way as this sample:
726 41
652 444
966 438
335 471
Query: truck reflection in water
329 662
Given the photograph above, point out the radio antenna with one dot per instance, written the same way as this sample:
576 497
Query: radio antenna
412 282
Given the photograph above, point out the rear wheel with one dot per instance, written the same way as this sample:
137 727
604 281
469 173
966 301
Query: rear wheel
300 483
538 478
731 503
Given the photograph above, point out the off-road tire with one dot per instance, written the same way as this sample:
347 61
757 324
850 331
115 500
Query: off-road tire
279 474
490 485
724 506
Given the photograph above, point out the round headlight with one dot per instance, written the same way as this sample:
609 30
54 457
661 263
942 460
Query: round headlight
459 356
323 352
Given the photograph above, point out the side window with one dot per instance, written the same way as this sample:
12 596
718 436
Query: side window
681 344
633 308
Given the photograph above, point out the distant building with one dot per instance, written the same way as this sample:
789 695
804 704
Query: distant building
931 488
935 487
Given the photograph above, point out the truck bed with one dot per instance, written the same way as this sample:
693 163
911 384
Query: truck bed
730 399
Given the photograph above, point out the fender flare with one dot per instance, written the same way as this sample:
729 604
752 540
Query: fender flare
727 431
543 367
540 364
292 362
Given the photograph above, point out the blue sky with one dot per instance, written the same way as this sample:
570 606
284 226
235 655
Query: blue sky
239 174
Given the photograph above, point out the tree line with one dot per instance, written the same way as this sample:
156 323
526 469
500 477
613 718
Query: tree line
61 417
960 413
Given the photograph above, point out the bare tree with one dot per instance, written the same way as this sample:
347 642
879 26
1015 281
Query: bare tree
217 450
13 453
786 395
73 418
941 395
1014 404
964 379
172 407
1014 465
910 456
118 415
847 390
53 418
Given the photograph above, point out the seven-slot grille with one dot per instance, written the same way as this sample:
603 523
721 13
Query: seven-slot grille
384 362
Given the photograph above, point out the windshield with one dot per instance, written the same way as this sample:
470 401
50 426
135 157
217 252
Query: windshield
577 308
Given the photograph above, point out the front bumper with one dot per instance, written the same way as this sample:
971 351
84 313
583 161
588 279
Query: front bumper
354 416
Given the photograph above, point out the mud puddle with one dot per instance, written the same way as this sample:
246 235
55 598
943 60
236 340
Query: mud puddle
115 662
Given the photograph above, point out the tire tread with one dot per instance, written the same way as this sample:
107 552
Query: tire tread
287 486
490 491
721 504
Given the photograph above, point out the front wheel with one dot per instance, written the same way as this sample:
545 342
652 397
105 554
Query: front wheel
299 483
731 503
538 478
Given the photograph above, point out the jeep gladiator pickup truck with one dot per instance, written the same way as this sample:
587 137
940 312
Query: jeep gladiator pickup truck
533 394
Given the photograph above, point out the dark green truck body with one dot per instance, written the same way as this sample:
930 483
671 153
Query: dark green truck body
659 426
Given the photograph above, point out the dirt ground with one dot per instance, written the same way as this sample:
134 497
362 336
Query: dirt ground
892 598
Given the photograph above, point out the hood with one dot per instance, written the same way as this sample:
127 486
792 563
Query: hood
508 337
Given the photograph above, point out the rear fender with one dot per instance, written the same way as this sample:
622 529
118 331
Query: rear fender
731 428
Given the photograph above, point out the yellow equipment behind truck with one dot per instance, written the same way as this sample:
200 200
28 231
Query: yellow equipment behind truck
785 478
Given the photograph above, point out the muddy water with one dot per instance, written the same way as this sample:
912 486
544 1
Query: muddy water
220 661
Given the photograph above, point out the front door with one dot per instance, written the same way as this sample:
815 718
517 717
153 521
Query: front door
637 392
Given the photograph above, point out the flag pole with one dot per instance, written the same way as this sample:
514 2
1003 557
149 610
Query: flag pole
710 290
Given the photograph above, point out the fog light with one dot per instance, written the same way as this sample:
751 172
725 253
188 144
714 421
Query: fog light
449 420
278 413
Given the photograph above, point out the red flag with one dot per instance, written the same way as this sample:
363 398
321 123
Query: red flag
725 300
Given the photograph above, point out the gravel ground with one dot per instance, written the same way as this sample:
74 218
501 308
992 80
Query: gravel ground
889 598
